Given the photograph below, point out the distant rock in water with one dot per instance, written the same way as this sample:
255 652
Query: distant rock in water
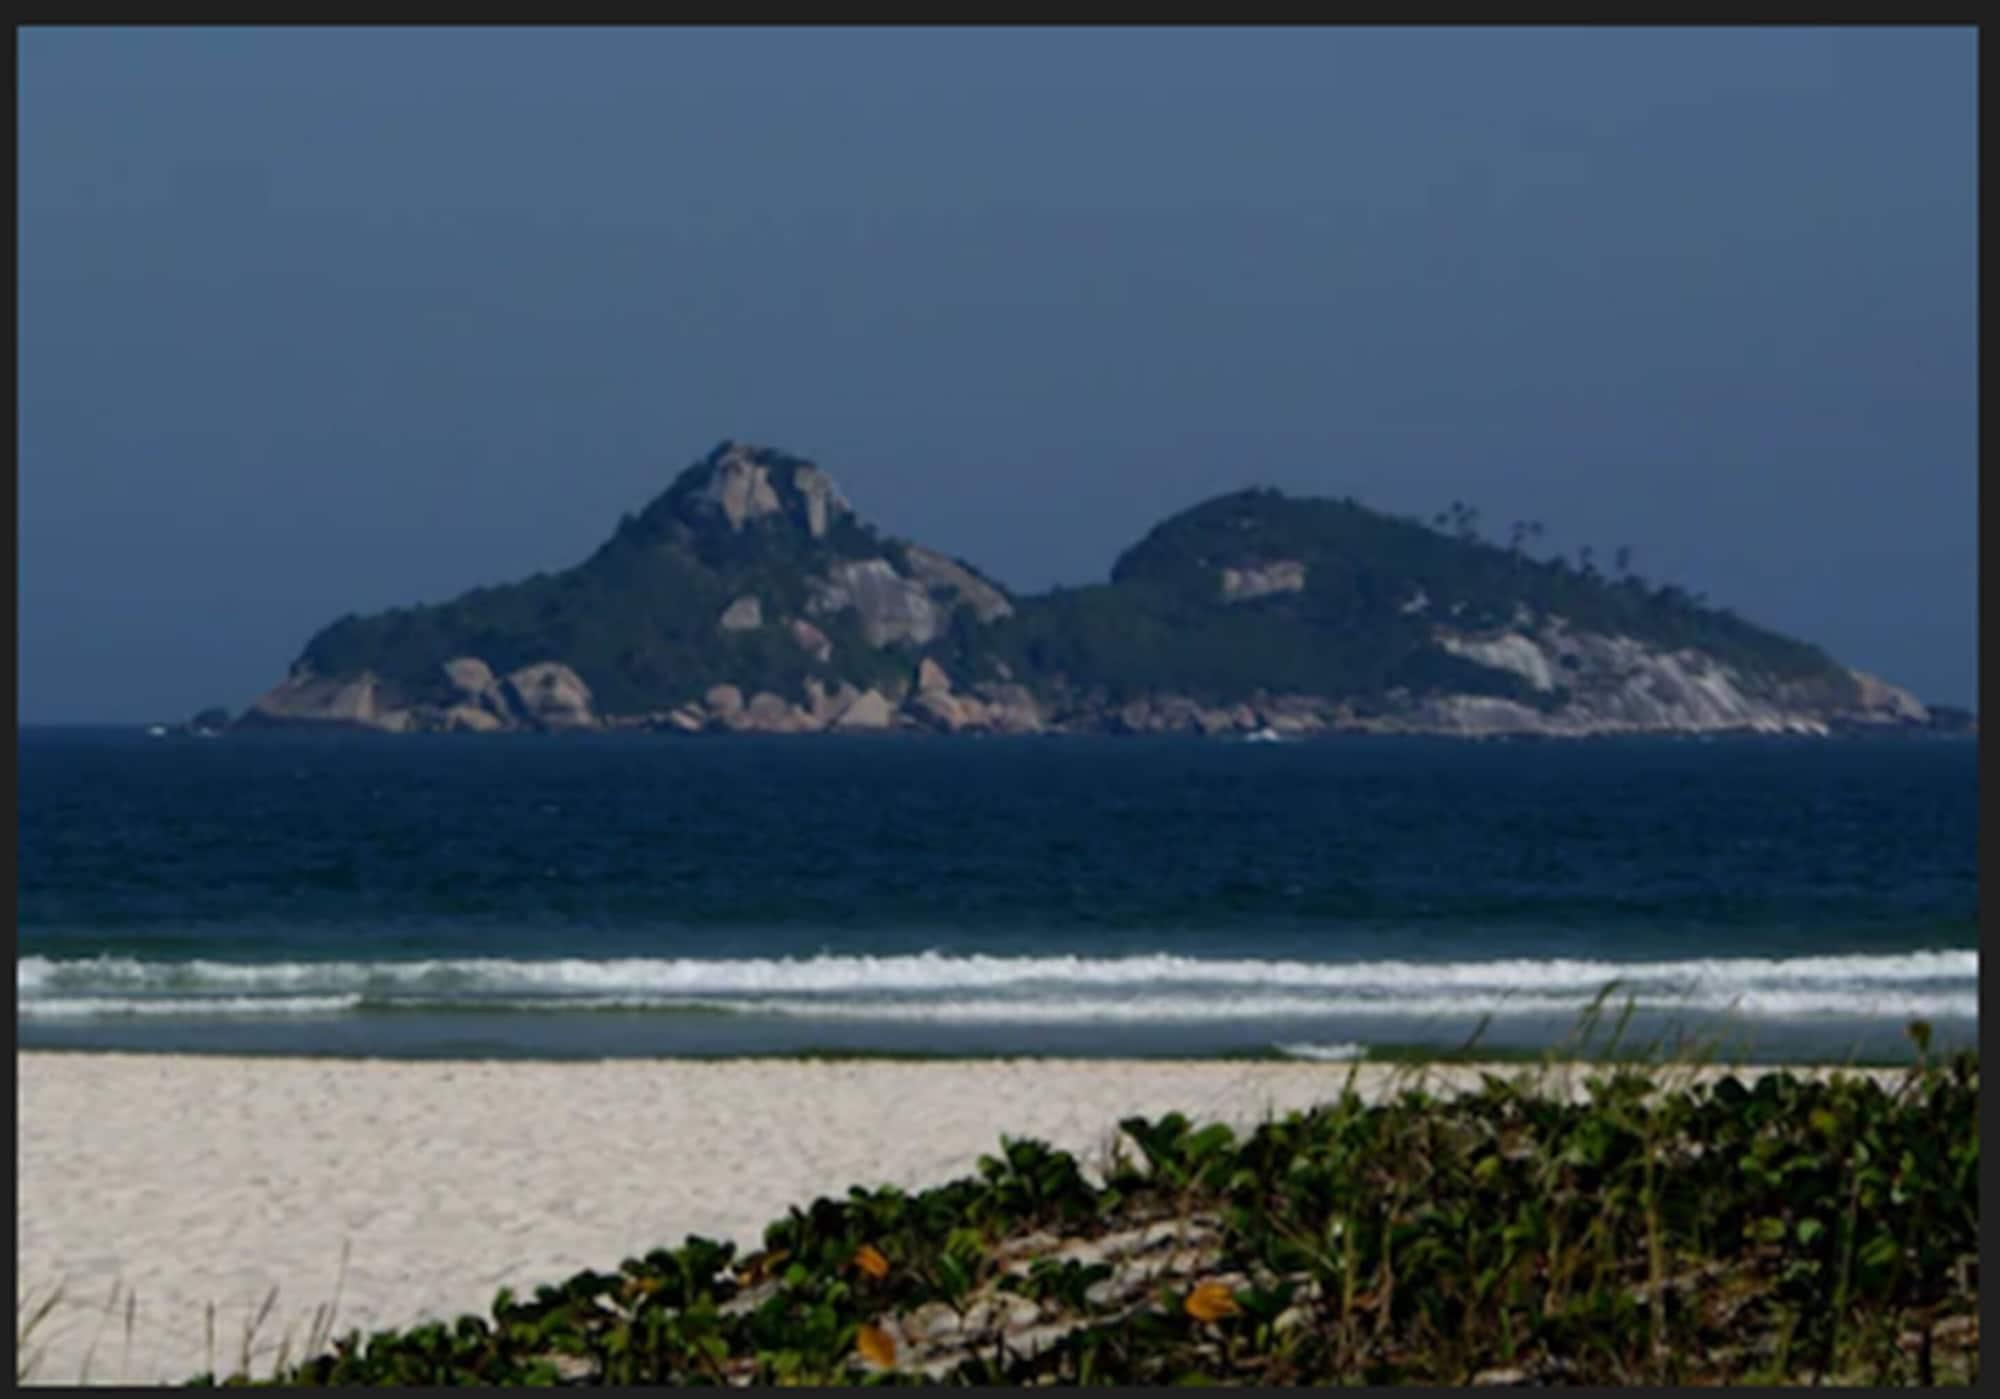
749 596
212 720
210 723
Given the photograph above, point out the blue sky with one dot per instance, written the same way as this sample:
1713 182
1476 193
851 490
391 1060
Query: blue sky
319 321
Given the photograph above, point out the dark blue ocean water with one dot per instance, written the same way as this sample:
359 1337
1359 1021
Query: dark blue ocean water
646 895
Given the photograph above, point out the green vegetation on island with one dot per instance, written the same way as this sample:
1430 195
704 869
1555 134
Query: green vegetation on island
1360 623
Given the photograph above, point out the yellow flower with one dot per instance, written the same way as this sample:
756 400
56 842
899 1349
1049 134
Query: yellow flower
875 1346
869 1260
1212 1301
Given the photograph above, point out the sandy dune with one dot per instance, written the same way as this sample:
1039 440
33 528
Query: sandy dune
187 1181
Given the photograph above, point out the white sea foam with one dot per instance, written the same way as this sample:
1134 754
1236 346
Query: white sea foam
934 986
934 971
97 1007
1191 1008
1323 1053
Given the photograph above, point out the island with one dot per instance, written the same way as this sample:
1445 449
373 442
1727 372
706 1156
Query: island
750 596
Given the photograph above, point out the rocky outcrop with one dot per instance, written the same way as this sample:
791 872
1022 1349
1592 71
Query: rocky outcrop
308 699
1589 684
823 502
913 609
470 676
811 640
470 718
891 608
868 711
1261 580
687 719
550 696
739 487
1010 708
1608 684
824 705
744 614
743 485
772 714
991 707
1876 701
939 573
482 705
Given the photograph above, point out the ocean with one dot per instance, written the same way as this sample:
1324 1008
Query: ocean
592 896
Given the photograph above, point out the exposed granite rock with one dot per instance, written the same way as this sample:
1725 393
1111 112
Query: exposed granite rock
550 695
825 706
1211 722
823 500
744 614
1880 702
478 690
811 640
688 719
1612 684
1010 708
892 608
937 571
471 718
869 710
993 707
1261 580
469 675
306 698
935 709
723 700
772 714
1511 651
739 486
765 712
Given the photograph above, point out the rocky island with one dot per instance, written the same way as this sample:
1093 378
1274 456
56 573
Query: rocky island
751 597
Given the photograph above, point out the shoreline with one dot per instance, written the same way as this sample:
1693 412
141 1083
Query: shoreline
1378 1058
187 1181
1833 733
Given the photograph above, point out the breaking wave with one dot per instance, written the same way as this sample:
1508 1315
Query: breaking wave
977 988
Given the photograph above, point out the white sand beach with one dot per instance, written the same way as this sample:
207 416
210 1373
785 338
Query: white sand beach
186 1181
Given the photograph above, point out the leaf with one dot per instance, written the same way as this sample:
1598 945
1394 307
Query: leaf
1211 1301
952 1274
869 1260
1769 1230
1880 1251
875 1345
1208 1141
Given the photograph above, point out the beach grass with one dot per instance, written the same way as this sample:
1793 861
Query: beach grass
1609 1215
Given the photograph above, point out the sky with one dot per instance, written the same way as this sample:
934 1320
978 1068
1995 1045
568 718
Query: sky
325 321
